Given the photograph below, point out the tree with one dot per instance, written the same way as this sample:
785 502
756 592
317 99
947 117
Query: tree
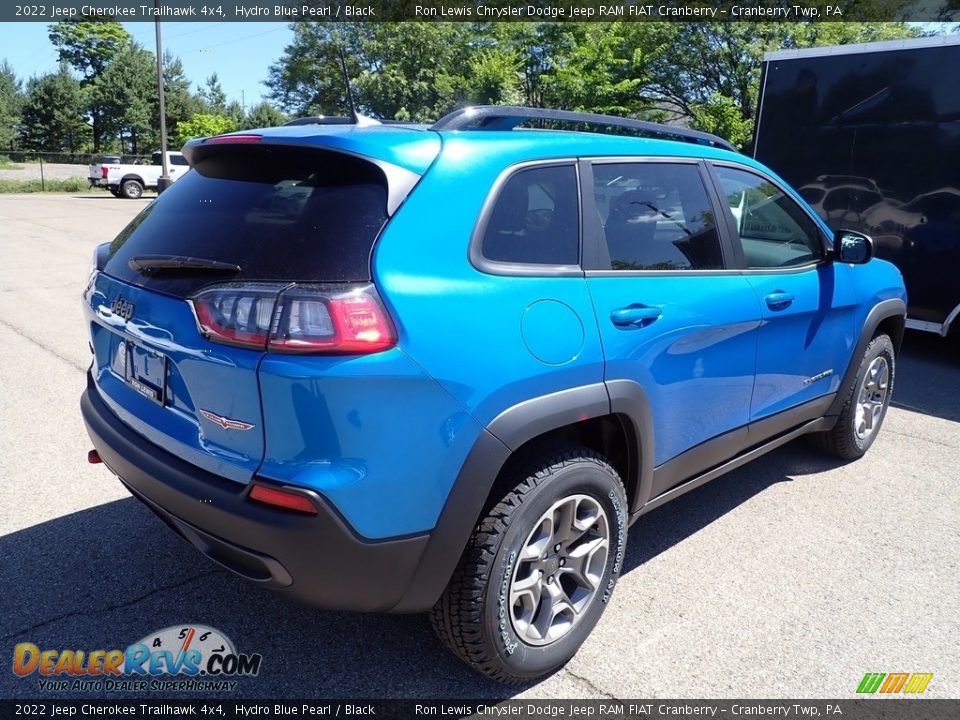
410 70
307 79
89 46
11 103
495 77
709 68
126 93
180 104
214 98
204 125
52 118
264 115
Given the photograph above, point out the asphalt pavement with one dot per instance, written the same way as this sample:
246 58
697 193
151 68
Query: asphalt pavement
791 577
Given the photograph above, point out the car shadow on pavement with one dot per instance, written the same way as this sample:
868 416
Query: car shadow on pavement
105 577
928 375
669 524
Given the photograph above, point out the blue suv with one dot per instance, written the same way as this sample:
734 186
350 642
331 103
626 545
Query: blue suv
407 368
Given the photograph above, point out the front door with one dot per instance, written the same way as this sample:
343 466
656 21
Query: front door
807 302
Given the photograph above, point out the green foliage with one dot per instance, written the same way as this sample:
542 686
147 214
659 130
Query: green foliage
34 186
720 115
204 125
88 45
704 60
263 115
11 104
409 69
125 92
52 118
213 98
180 104
495 77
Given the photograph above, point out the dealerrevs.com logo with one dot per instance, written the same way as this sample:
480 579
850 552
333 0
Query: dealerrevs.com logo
177 658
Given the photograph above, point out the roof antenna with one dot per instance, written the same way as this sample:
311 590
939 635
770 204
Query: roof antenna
355 117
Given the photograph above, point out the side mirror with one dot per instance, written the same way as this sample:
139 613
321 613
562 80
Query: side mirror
854 247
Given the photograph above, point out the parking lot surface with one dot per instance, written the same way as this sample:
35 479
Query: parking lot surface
791 577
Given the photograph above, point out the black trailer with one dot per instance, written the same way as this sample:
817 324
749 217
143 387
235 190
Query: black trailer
870 135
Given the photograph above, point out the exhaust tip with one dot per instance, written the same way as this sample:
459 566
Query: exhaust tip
93 457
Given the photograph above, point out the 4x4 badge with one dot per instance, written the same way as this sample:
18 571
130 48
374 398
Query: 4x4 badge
224 422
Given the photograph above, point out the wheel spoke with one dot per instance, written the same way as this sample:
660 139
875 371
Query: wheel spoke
581 562
872 398
560 569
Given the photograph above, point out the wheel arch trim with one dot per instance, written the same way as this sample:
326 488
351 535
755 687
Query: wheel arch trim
884 310
510 430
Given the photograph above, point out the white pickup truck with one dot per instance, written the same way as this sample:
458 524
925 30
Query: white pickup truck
129 181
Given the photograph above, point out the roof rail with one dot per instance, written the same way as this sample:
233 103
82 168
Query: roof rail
506 117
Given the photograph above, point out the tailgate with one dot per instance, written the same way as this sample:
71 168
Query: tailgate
194 398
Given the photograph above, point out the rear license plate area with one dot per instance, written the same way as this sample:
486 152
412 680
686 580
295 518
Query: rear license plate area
143 369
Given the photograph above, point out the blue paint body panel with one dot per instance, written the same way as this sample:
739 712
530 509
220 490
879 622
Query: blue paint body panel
384 436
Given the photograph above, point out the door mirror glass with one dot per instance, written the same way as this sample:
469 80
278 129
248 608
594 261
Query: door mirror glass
852 247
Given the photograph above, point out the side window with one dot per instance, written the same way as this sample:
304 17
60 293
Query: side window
178 160
535 219
774 230
655 216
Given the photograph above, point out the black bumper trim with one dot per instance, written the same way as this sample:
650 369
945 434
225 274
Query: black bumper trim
315 559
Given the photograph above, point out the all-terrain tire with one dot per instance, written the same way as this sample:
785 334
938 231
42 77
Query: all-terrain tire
474 619
844 441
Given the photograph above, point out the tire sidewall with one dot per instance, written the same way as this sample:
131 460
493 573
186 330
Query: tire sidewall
519 657
129 195
881 346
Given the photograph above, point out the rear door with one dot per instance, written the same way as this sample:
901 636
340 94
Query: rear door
247 223
673 318
807 303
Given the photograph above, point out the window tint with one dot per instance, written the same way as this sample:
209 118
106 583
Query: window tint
774 230
280 214
656 217
178 160
535 218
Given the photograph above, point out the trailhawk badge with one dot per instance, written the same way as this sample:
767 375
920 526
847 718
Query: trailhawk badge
225 422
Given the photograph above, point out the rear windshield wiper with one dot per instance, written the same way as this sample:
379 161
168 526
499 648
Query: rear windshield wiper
155 264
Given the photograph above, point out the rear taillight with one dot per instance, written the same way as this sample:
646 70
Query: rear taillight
104 171
330 319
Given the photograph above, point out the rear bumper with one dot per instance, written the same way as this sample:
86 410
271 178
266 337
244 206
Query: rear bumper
315 559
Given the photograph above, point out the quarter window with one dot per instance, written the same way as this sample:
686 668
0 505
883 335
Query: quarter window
774 230
655 216
536 219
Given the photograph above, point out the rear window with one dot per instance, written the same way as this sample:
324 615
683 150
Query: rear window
280 214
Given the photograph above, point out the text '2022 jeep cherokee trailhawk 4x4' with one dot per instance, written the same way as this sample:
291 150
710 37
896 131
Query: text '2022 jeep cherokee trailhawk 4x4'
410 368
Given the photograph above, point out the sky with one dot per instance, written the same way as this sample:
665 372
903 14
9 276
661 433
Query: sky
240 53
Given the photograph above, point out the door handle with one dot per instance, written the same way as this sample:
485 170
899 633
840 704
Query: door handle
779 300
635 316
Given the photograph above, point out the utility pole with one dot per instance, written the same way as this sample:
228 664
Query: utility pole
163 182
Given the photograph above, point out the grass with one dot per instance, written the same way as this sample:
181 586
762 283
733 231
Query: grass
33 186
5 164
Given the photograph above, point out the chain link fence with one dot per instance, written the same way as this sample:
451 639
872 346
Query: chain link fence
29 171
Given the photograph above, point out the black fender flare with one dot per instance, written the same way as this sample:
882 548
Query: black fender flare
508 431
883 310
131 176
